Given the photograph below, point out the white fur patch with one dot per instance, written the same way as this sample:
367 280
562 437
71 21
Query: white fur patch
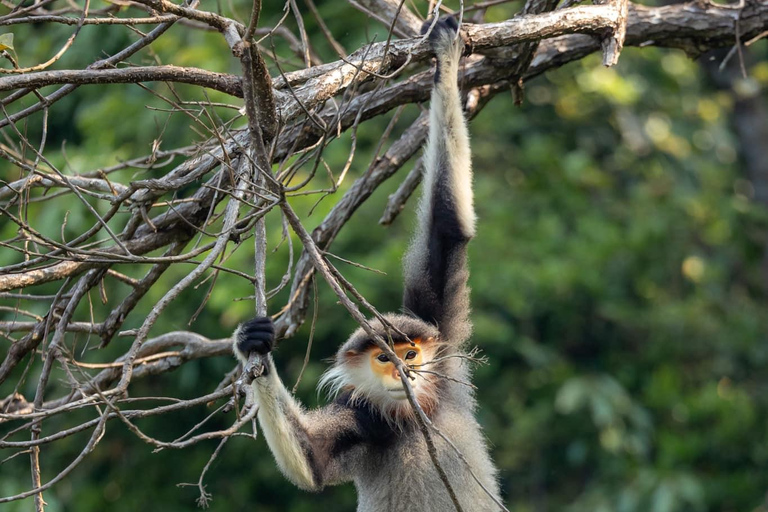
275 406
448 145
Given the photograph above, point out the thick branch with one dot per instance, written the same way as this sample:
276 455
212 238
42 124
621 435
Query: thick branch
694 27
228 84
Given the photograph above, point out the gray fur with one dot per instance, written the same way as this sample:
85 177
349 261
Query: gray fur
349 440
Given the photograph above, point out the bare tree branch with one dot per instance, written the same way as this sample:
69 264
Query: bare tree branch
228 84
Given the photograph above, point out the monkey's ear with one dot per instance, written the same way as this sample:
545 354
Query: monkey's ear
351 357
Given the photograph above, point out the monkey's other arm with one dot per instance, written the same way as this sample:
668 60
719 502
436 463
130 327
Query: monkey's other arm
436 264
312 449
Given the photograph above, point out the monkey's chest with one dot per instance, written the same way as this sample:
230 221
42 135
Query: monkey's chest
402 477
397 474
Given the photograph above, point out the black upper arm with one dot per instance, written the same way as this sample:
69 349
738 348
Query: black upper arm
338 434
436 290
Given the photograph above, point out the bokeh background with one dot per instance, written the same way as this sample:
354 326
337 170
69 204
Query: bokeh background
619 282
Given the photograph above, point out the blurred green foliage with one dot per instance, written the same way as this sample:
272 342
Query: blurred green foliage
617 287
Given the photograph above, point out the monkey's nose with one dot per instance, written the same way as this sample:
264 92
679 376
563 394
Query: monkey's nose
395 374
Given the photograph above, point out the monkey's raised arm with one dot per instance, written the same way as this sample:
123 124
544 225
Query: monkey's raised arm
436 264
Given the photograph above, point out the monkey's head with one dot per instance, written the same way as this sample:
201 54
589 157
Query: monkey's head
364 371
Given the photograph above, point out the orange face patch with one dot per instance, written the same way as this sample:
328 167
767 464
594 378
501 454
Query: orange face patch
382 366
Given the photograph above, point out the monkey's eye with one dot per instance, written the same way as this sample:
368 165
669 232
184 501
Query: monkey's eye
410 355
382 357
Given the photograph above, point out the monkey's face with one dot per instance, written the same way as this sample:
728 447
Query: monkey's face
385 371
364 371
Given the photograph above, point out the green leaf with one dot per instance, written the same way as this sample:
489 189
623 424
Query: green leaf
6 41
573 394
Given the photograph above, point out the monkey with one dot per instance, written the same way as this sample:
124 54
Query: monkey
369 434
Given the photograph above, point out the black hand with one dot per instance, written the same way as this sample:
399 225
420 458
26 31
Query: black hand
256 335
